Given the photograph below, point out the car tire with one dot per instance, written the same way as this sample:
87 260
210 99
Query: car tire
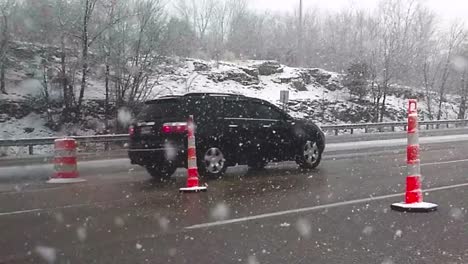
311 155
162 172
212 164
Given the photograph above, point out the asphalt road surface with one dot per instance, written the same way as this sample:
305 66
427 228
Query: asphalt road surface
338 213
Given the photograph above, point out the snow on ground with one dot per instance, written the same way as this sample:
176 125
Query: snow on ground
33 125
267 89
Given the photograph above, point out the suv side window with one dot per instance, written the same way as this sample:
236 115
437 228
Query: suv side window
235 108
264 111
204 108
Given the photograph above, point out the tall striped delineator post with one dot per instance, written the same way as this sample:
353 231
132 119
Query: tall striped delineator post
413 196
65 162
192 170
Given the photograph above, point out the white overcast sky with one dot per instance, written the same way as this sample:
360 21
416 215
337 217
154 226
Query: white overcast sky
448 10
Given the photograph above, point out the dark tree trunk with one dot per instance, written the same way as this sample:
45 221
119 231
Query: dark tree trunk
2 76
84 69
66 87
84 56
107 95
464 90
3 54
384 100
377 104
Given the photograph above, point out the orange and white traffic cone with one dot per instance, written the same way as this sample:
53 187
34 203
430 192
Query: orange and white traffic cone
192 172
65 162
414 196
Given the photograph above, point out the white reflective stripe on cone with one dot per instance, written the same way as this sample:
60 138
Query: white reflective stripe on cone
414 169
413 138
60 167
192 163
60 153
191 142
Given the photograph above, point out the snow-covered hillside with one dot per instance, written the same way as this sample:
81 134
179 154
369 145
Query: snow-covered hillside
314 93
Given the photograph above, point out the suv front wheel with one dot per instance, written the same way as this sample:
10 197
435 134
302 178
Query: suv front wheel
310 155
213 164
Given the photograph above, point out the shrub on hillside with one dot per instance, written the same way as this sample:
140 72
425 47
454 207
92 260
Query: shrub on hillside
356 79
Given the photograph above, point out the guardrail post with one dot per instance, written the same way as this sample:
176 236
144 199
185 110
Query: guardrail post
427 127
366 130
336 132
405 128
31 149
352 131
393 128
106 146
448 125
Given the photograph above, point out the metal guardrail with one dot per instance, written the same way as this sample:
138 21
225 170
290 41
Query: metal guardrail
121 138
31 142
392 125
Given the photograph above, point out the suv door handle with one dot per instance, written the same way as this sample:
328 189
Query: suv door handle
233 126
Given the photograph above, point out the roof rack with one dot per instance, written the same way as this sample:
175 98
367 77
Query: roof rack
212 94
162 98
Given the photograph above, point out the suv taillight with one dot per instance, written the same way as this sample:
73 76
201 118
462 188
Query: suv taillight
169 128
131 130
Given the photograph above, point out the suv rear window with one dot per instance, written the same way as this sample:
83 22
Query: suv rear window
163 109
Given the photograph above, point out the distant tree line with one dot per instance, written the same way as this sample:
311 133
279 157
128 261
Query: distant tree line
401 41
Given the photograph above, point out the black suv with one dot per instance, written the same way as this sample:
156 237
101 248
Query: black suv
230 130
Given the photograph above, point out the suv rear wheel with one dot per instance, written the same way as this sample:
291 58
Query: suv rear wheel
213 164
161 171
310 155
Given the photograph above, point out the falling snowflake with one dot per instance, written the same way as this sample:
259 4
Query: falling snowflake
47 253
303 227
59 217
81 233
285 224
252 260
398 234
456 213
459 63
368 230
138 246
124 116
164 223
119 222
172 252
220 212
387 261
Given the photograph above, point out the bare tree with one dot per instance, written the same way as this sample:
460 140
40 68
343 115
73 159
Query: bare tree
85 43
463 94
6 10
138 53
456 37
65 21
200 13
395 44
106 46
